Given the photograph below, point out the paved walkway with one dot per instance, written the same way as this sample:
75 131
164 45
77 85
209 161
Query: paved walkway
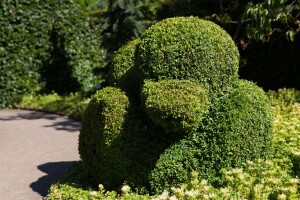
35 150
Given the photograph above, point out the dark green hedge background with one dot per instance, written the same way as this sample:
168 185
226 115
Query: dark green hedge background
47 46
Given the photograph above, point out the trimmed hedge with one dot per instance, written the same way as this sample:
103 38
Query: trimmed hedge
188 48
237 128
176 105
47 45
118 143
102 125
122 73
188 111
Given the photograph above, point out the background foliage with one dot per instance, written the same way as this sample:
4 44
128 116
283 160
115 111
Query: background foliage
47 46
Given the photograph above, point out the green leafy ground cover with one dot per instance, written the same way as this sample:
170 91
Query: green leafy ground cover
277 178
72 105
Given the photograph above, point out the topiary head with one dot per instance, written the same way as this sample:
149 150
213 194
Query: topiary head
188 48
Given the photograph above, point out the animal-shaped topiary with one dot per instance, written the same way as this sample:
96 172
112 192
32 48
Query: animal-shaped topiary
175 105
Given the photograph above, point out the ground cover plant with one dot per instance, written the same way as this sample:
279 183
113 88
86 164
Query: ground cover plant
175 107
275 178
72 105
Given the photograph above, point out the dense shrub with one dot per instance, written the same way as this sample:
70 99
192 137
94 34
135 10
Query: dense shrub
189 48
177 106
102 124
122 72
51 38
237 128
184 71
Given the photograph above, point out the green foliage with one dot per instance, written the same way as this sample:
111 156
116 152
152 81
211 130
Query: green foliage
191 49
257 179
122 21
72 105
177 106
102 124
180 65
51 38
266 16
237 128
122 72
284 97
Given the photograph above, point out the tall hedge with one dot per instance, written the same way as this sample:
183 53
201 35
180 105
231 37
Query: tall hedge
52 38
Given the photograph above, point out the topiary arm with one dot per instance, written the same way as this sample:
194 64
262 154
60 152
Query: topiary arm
175 105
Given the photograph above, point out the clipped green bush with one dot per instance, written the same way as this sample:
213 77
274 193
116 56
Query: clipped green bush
175 105
101 126
237 129
47 46
189 48
122 73
185 110
123 61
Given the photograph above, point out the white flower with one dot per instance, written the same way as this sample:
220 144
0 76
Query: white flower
237 171
282 196
192 193
93 193
164 196
125 189
203 182
173 198
294 180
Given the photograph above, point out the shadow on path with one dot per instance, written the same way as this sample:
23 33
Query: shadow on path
65 125
54 171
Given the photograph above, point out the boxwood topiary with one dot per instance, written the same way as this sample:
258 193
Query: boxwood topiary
181 66
176 105
101 126
237 129
122 62
189 48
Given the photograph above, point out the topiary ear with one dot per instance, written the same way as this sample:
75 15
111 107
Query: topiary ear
175 105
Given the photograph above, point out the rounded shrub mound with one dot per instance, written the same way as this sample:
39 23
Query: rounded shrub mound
237 129
123 61
189 48
175 105
123 74
102 126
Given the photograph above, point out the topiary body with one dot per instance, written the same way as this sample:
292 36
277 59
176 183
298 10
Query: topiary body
180 108
237 129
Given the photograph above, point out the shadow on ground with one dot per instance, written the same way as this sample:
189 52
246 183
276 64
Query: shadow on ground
30 115
65 125
54 171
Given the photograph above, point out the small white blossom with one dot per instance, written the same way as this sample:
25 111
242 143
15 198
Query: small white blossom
93 193
192 193
203 182
125 189
294 180
282 196
164 196
173 198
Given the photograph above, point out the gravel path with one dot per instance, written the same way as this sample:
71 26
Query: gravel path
35 150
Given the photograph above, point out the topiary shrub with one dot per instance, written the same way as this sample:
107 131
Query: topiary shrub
189 48
102 124
184 110
177 106
123 74
237 129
